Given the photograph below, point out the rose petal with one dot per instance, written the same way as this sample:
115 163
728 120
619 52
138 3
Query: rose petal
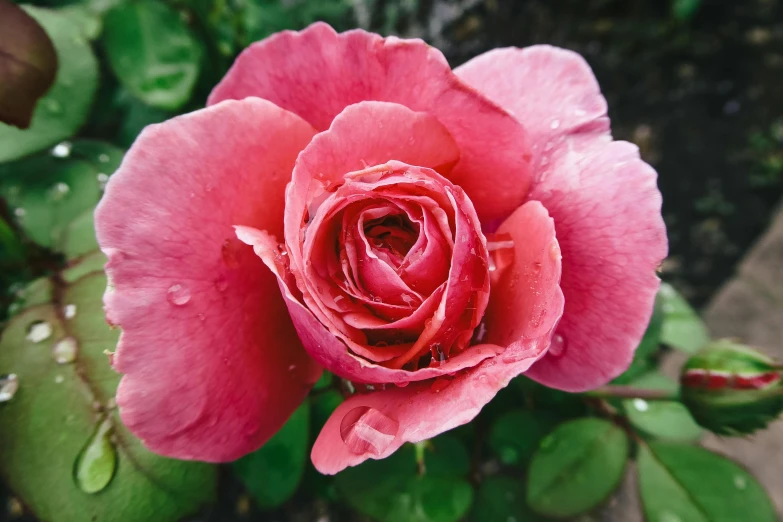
551 91
316 73
522 303
605 203
212 363
423 410
607 210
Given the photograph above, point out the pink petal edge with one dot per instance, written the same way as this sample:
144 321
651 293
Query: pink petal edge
603 198
317 72
212 363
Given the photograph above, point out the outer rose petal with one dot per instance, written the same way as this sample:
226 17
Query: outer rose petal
605 203
212 363
551 91
607 211
316 73
422 410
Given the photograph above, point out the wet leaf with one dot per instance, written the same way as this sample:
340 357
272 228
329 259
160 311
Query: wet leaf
502 499
53 193
515 436
60 113
576 467
682 327
684 483
28 64
152 52
272 473
55 453
661 419
391 490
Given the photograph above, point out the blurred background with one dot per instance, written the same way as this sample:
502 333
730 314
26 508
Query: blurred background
696 84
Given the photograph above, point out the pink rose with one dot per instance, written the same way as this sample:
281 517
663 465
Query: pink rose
428 234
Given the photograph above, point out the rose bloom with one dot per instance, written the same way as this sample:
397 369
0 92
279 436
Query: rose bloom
426 234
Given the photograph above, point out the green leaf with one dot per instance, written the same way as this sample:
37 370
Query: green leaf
682 327
502 499
662 419
66 105
264 17
684 10
152 52
649 346
60 433
49 191
273 473
690 484
515 436
391 490
576 467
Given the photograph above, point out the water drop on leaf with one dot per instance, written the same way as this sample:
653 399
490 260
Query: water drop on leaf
62 150
8 386
38 331
65 350
96 463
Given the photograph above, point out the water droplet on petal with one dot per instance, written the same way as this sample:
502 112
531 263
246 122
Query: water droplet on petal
62 150
580 112
96 463
65 350
367 430
69 311
229 252
501 251
178 295
8 386
291 367
440 384
558 345
39 331
641 405
740 482
555 124
221 283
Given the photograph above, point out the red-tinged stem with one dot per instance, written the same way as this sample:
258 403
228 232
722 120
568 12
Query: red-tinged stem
629 392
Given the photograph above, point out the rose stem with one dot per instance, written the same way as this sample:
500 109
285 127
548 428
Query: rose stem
629 392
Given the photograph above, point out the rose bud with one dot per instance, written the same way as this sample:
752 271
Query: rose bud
732 389
349 202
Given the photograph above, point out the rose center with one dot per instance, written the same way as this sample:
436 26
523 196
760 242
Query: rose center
392 237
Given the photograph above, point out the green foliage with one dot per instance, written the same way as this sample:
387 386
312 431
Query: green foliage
273 472
65 107
661 419
682 327
502 498
50 190
64 448
152 52
691 484
515 436
576 467
397 488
